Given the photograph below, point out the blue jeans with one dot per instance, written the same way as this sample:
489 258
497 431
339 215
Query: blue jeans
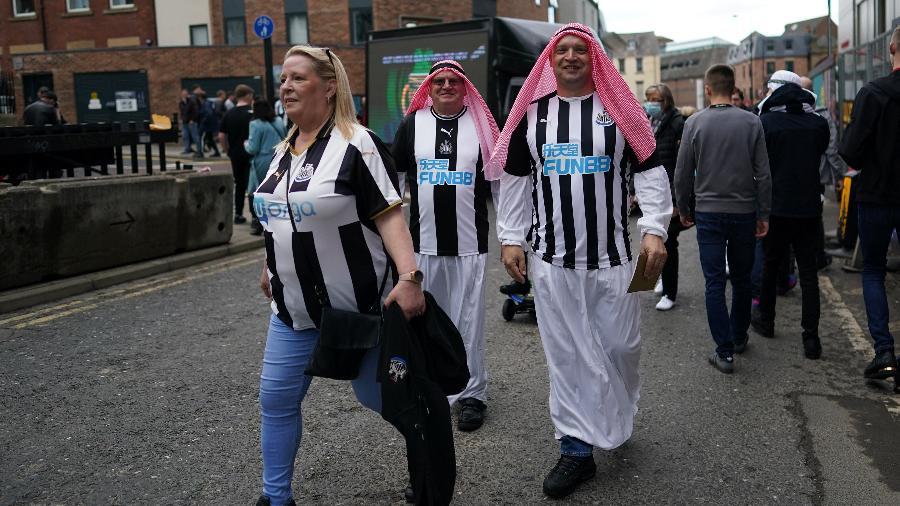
876 224
282 387
718 235
186 137
574 447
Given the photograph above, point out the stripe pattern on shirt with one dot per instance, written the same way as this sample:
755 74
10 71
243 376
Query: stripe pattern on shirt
579 163
441 159
317 209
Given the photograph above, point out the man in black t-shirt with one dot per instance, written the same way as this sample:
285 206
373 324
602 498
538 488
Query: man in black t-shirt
233 131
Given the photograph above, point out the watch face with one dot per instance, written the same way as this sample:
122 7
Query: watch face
418 276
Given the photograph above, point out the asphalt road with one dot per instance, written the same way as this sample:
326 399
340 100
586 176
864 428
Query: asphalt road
146 393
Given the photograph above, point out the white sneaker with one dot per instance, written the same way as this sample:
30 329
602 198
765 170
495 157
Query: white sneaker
658 288
665 303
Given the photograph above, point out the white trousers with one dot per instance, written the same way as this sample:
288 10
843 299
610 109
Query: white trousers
457 284
590 329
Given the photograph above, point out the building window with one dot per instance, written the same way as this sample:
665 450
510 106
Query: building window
199 35
640 88
235 31
770 67
23 7
484 8
121 4
622 65
297 28
788 44
789 65
639 62
552 5
360 21
770 46
632 45
78 6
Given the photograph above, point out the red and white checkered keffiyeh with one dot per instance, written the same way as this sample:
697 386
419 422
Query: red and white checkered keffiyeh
615 95
485 126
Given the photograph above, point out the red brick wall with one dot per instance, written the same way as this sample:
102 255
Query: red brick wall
216 23
272 8
524 9
760 75
101 24
387 13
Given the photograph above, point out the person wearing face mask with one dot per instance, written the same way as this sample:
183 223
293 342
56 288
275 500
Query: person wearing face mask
667 123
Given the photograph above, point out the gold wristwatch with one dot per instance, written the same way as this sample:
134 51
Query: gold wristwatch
413 277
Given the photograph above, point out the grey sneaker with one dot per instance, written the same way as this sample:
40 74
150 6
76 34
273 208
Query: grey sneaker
723 364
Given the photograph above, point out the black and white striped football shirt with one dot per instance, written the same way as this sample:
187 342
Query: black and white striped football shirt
578 162
441 159
317 209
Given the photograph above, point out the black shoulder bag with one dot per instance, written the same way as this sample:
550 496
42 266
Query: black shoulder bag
344 336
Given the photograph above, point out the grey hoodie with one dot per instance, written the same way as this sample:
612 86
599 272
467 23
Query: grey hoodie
723 163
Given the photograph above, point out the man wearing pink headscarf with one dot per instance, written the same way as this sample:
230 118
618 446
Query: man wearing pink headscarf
572 138
441 147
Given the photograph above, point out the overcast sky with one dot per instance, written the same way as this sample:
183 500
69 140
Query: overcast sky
731 20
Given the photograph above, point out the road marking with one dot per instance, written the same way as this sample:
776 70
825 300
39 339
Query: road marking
855 334
849 325
48 314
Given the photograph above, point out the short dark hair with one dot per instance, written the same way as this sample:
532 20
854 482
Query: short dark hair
720 79
262 110
242 90
668 101
739 93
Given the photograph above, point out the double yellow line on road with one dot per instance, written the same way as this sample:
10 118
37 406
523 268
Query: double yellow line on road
54 312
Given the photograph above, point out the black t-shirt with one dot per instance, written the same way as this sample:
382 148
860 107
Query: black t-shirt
236 125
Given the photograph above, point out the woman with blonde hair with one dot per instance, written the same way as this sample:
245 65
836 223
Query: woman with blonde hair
330 210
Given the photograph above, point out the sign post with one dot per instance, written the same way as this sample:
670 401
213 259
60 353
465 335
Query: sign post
263 27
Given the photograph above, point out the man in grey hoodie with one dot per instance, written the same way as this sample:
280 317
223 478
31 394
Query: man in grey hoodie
722 183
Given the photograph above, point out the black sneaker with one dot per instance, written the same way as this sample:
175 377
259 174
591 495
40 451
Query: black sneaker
812 347
409 494
568 472
516 288
471 414
265 501
883 366
740 343
723 364
239 219
762 327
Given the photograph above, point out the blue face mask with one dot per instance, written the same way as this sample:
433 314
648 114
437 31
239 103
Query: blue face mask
652 108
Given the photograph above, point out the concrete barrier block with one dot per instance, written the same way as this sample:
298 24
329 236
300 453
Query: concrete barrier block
26 229
107 222
205 209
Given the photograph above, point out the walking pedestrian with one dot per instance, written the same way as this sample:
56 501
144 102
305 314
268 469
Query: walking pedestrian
187 110
208 125
870 146
668 124
332 216
796 139
266 131
449 131
722 183
573 135
234 130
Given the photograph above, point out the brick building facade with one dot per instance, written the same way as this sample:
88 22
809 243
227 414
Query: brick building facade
90 42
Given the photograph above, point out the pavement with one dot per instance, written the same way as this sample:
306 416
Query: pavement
147 393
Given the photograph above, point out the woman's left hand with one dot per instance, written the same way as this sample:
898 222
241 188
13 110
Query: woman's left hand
409 297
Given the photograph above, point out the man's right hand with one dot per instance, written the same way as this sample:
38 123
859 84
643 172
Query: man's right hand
264 284
513 258
762 228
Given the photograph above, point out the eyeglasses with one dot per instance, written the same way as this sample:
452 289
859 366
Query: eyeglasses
451 81
328 53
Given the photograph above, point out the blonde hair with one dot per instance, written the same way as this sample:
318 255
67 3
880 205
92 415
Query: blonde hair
328 67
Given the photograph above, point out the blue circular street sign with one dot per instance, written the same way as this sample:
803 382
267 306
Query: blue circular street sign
263 27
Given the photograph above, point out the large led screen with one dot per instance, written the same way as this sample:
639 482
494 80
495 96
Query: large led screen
398 66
